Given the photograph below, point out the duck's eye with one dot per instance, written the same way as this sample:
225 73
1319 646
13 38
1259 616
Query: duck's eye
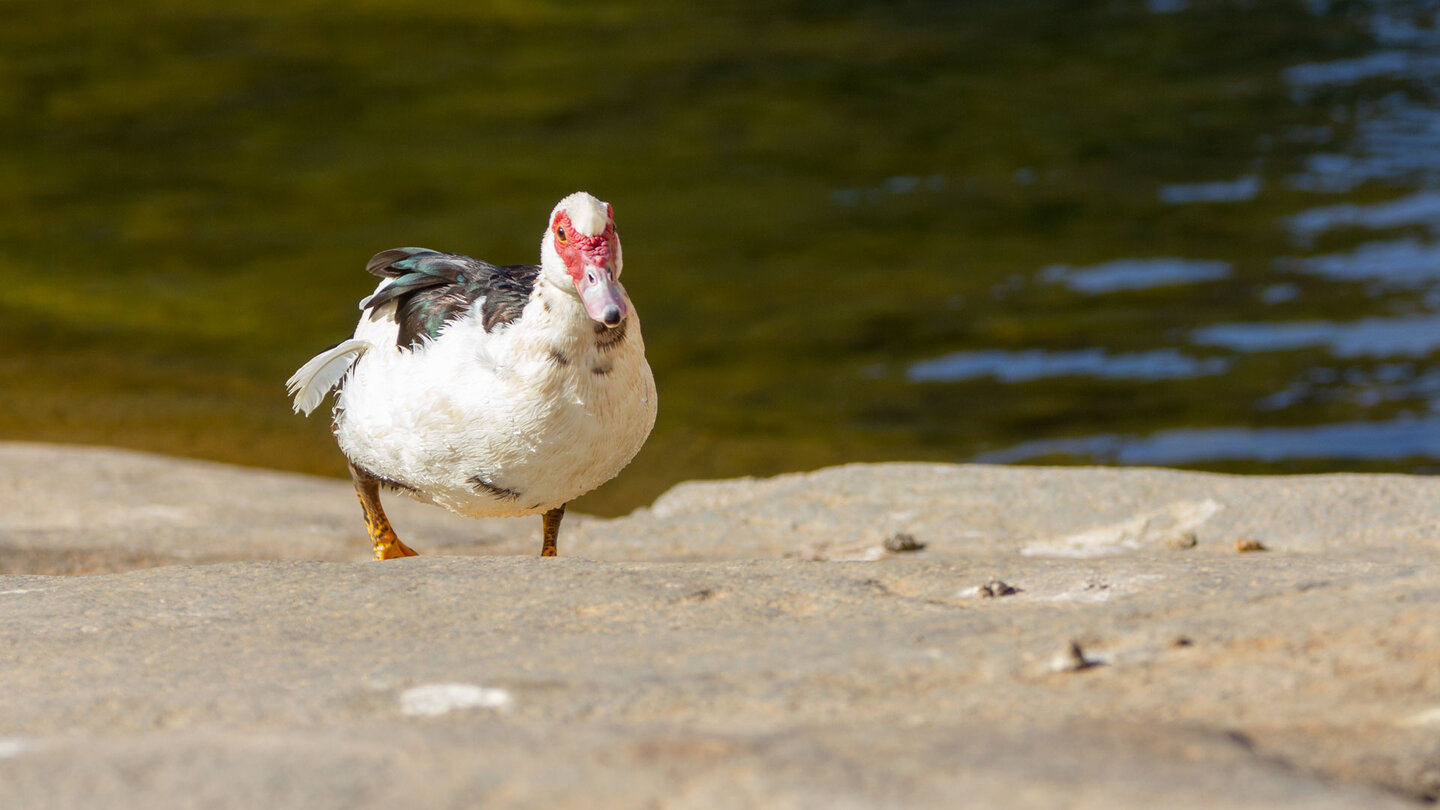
560 233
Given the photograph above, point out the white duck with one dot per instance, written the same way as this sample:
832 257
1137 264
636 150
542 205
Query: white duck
491 391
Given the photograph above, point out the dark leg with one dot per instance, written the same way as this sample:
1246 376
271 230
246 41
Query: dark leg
387 545
551 525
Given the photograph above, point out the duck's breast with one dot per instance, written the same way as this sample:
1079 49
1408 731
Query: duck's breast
502 422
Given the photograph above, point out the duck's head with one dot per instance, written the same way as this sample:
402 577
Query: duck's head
581 250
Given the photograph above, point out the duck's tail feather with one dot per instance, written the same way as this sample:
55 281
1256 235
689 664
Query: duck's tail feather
323 372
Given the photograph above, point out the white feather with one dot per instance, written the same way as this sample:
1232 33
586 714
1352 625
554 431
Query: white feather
587 214
323 372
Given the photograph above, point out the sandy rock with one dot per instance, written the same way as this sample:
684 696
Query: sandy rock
1068 512
685 656
89 509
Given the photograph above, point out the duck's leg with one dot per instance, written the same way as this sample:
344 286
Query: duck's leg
387 545
551 526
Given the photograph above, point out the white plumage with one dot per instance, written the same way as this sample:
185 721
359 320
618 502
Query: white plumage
313 381
498 405
515 405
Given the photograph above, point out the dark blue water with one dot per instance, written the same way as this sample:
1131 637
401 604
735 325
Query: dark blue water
1358 385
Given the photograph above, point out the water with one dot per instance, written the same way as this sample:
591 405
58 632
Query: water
1385 139
1179 233
1135 274
1034 364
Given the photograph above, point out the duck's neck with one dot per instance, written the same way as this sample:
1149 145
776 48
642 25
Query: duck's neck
557 311
556 317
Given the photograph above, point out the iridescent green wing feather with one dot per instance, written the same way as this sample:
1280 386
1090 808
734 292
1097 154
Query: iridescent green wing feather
431 288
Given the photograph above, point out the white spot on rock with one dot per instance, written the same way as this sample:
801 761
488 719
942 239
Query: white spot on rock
12 747
1429 717
1153 529
433 700
1096 591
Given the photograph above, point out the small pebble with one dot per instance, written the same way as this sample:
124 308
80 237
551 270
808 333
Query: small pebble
1429 782
1245 544
1070 658
1183 540
901 542
995 588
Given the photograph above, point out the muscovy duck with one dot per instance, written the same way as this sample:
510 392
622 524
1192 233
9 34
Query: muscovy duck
493 391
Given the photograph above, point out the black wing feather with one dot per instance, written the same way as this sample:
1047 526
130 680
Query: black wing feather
431 288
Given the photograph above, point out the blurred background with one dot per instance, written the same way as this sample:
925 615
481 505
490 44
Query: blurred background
1173 232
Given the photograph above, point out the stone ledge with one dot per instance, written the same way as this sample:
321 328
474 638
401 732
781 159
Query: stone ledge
1066 637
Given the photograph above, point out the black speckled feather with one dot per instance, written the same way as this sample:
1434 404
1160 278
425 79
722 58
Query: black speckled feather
431 288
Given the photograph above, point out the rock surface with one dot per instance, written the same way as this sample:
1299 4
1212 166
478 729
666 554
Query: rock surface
1064 638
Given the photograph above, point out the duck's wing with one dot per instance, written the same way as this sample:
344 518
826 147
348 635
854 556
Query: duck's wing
430 289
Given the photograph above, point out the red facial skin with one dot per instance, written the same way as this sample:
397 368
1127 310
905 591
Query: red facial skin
590 262
579 250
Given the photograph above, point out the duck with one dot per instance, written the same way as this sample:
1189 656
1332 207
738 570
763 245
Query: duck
490 390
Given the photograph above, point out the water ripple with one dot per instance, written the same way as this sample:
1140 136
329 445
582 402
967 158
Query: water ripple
1420 208
1403 263
1034 364
1413 336
1134 274
1241 189
1406 437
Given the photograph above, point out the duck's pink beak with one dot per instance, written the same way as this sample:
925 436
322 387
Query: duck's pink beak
599 289
602 295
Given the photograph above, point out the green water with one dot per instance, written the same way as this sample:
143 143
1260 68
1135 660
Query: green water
816 200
